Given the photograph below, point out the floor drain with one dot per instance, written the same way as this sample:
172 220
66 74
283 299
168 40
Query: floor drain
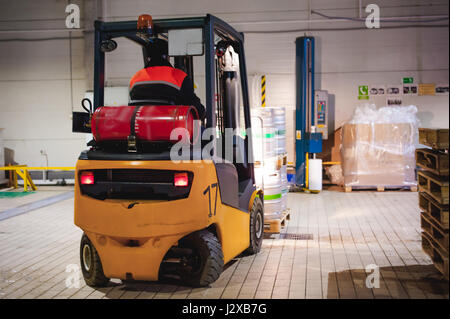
296 236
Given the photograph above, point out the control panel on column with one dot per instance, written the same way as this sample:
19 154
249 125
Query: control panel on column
321 112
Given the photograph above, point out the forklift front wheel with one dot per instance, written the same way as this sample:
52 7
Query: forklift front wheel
256 226
91 266
205 264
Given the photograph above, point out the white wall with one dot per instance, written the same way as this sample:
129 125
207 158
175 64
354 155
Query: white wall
36 82
41 82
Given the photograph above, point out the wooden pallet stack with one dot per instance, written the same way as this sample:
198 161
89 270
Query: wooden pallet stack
433 181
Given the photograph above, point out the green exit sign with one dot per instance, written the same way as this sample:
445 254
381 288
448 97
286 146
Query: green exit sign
408 80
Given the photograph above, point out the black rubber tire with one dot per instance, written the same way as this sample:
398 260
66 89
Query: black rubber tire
256 221
208 257
93 276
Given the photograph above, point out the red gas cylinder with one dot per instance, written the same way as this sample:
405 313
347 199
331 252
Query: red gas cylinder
151 122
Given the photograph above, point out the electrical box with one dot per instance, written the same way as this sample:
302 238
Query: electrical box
321 107
313 142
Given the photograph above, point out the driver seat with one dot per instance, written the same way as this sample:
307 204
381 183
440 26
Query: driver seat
154 94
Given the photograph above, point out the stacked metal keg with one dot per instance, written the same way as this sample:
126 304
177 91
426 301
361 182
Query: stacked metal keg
269 147
279 116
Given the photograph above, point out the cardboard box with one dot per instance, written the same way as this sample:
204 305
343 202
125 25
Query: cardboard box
331 148
336 154
378 154
336 149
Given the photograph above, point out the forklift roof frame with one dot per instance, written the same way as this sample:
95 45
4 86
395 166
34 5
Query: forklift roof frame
209 24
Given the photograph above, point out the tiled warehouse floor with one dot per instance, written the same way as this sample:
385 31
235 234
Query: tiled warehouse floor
339 235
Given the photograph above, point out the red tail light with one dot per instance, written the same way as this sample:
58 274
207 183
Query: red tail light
87 178
181 179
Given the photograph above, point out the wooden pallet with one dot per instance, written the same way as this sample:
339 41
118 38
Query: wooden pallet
281 160
274 226
439 258
439 235
436 211
432 161
433 185
379 188
435 138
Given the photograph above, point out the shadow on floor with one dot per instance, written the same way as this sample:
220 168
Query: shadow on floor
403 282
165 284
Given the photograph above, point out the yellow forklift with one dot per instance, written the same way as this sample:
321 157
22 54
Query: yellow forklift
145 216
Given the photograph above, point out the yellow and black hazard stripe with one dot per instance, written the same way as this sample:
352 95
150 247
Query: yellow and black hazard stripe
263 91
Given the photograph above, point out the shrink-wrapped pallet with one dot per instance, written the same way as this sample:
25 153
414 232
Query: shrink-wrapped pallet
378 147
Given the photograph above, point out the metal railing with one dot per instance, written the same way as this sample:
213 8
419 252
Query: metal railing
23 172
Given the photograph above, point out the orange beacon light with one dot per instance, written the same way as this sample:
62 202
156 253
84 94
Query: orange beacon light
145 23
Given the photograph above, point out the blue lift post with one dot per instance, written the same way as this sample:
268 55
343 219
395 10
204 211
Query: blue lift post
305 140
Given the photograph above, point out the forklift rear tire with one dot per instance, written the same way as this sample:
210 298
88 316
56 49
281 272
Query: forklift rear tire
91 266
205 265
256 226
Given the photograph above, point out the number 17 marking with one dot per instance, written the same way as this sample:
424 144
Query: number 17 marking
208 190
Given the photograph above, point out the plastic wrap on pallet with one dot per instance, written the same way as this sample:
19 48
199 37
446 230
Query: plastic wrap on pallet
334 173
378 146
